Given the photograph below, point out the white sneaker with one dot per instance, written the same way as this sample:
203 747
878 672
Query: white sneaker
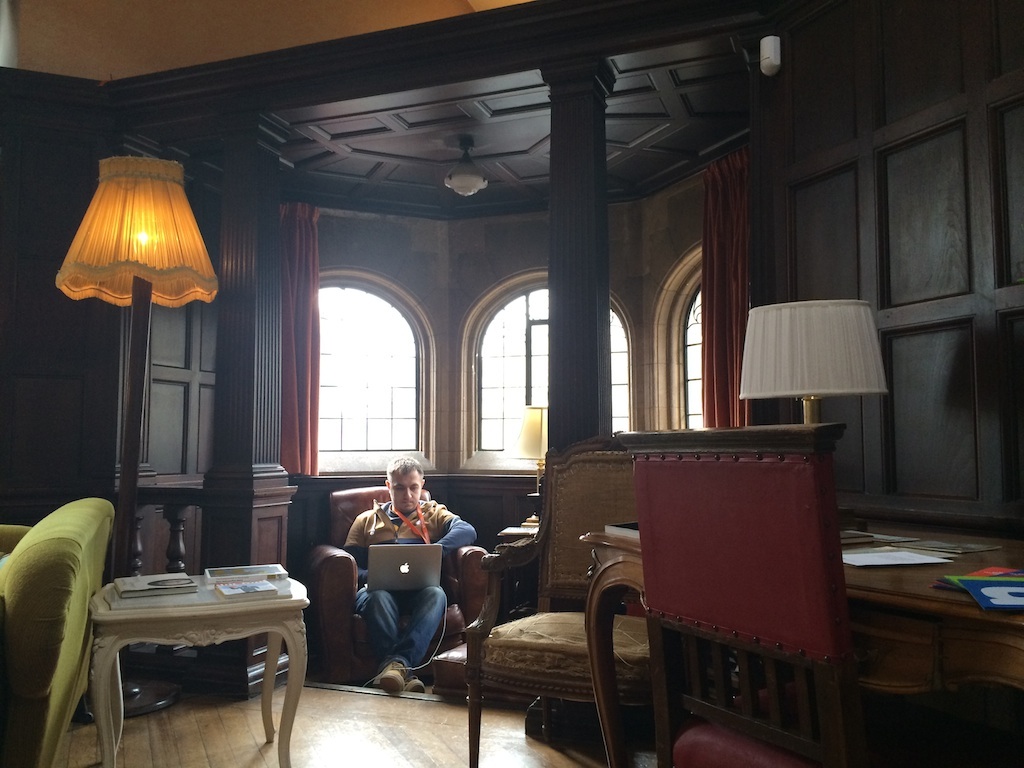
391 678
414 685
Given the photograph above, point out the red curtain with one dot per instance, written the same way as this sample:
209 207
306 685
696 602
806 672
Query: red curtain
300 337
724 290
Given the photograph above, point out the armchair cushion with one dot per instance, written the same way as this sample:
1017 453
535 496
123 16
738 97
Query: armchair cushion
45 588
548 651
712 746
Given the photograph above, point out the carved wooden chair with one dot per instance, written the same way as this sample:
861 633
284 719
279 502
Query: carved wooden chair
545 655
751 650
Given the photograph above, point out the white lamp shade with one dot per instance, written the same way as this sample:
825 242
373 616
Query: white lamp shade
533 438
811 349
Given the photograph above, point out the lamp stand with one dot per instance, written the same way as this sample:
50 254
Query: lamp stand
148 696
125 562
812 409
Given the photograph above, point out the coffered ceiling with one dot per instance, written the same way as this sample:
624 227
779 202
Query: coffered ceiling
672 111
374 122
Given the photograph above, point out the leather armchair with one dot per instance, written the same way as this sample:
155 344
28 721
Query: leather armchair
339 639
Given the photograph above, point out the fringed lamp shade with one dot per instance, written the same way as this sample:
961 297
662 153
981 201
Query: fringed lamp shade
810 350
139 224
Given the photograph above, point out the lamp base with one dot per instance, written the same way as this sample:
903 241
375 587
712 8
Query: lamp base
144 696
812 409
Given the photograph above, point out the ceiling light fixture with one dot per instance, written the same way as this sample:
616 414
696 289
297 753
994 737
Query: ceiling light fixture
465 178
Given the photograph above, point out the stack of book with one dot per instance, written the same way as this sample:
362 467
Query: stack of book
994 588
156 584
248 582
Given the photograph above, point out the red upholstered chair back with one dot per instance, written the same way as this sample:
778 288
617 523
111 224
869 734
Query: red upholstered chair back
746 542
746 597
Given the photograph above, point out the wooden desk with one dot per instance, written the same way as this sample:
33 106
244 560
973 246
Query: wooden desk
913 638
916 638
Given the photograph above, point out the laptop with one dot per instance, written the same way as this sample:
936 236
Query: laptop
398 567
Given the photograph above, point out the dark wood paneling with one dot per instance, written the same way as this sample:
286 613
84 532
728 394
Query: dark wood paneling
169 337
933 413
824 98
1013 394
922 54
168 426
1010 152
1009 22
46 429
204 457
825 237
180 433
926 242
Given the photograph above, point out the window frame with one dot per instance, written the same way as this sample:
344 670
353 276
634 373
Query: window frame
671 308
471 333
372 462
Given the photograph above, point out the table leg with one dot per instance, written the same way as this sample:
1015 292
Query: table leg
269 677
107 702
294 634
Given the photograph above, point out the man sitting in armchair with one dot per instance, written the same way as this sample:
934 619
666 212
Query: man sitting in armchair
404 520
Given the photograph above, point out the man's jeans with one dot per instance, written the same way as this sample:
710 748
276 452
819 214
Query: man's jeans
382 611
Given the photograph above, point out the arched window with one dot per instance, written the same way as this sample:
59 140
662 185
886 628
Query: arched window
369 375
513 369
678 380
693 371
620 375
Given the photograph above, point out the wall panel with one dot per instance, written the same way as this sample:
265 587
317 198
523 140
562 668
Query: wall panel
1009 24
933 413
1010 166
1013 357
922 55
824 98
926 241
825 237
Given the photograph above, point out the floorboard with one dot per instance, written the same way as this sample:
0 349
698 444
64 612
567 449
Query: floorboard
334 726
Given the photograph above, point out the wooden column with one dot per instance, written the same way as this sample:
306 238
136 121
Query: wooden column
579 385
245 508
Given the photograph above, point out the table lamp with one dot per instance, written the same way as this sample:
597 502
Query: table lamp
138 243
810 350
533 444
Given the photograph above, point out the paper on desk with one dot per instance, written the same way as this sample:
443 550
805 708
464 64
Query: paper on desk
890 556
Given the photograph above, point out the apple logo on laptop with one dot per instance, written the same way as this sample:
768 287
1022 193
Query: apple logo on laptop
404 568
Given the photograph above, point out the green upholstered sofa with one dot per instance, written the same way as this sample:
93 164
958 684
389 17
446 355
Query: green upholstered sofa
53 570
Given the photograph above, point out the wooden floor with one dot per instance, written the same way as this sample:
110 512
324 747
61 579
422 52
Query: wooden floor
333 727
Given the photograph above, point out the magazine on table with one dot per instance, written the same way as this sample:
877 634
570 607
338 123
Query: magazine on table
235 573
155 584
249 590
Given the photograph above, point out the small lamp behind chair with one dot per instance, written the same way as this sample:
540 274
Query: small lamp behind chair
810 350
533 444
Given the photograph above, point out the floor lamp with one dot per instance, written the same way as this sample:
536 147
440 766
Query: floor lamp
138 244
810 350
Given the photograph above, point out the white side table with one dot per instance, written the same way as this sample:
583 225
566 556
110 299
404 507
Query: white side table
200 618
